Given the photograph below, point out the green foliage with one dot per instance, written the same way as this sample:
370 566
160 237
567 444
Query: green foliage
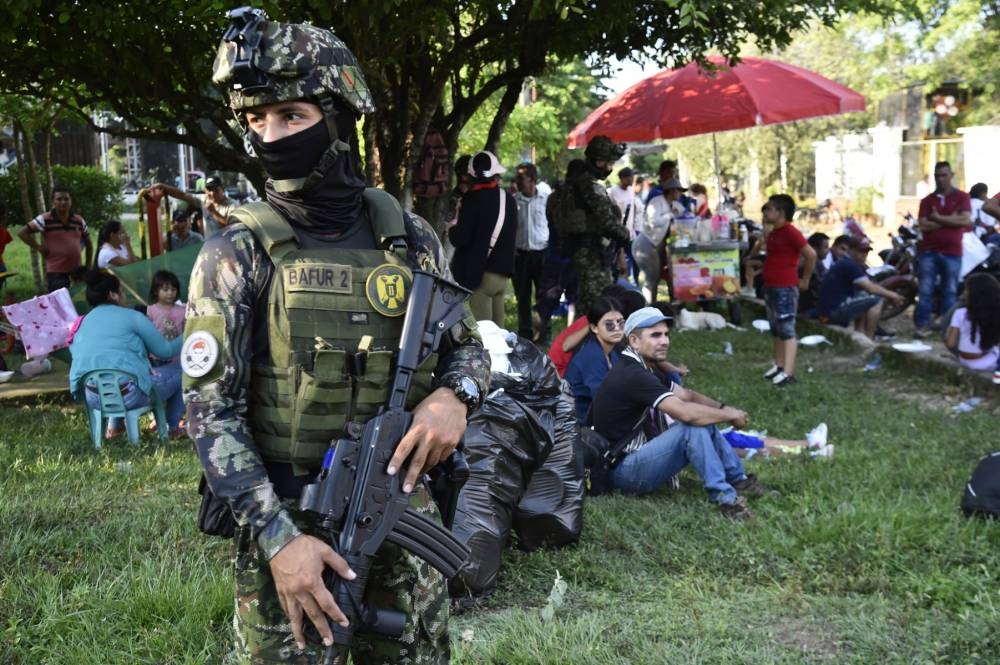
564 94
864 199
96 195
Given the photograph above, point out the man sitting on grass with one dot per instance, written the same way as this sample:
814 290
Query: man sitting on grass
630 404
847 297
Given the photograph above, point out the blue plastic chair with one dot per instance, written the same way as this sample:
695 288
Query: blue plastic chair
108 383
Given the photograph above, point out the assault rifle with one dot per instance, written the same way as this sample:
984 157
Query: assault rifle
354 494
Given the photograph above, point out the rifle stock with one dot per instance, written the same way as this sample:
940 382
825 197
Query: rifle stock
354 493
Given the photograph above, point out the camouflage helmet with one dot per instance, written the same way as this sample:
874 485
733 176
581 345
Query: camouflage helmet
262 62
601 147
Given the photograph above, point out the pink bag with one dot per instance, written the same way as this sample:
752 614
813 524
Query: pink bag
43 322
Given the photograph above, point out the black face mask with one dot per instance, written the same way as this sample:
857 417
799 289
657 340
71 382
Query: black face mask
599 173
293 156
332 204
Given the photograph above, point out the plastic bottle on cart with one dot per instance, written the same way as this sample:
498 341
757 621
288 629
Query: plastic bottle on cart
721 226
687 226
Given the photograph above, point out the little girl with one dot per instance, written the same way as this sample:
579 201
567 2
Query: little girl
974 330
163 310
168 317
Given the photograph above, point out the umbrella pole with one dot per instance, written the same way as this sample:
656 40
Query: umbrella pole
718 175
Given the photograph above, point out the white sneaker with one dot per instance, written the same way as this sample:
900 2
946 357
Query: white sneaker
817 437
773 372
825 451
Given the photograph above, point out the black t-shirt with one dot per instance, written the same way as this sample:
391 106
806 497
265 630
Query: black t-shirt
625 395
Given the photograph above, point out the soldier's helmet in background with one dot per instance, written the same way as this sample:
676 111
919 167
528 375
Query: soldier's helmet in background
601 147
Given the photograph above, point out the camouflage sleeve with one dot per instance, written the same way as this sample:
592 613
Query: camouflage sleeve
231 269
606 212
463 353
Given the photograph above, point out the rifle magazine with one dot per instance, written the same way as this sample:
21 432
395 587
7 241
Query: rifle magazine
430 541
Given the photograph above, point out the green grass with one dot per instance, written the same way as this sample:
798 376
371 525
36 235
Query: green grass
864 559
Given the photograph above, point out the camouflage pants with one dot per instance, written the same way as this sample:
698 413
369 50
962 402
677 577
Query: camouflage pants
399 581
593 274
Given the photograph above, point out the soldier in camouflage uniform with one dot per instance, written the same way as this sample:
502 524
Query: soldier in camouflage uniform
594 247
278 301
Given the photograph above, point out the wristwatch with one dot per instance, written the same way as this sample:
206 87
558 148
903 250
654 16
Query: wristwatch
465 390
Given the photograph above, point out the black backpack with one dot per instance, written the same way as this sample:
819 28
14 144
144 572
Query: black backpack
982 492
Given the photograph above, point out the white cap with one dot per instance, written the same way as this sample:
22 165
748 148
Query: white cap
485 165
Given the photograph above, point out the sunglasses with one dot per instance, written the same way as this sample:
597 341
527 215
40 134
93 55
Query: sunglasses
612 326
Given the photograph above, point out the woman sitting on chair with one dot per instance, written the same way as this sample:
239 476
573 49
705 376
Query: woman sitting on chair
114 336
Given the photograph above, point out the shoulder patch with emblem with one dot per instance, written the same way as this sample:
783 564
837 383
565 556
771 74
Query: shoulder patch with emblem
387 288
199 354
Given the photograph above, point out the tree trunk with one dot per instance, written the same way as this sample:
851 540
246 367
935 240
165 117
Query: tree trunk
20 147
47 155
507 104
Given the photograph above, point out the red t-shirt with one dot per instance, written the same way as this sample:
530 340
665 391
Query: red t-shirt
947 240
5 240
781 264
559 357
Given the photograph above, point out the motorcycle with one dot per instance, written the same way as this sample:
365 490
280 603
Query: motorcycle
898 272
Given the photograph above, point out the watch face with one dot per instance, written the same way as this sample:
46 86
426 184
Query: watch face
469 388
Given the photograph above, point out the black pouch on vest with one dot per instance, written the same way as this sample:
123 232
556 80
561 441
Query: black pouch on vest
214 515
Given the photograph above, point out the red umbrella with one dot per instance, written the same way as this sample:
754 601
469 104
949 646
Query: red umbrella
689 101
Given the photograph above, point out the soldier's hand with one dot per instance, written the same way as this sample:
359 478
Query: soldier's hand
297 570
438 425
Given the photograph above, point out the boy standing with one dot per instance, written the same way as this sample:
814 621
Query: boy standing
785 245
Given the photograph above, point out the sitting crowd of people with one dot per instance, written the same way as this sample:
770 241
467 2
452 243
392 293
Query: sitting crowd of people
834 285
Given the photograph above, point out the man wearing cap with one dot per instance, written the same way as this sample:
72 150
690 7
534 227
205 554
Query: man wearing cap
216 206
629 407
847 297
180 234
279 300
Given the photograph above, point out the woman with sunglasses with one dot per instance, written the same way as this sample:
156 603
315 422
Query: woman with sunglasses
598 353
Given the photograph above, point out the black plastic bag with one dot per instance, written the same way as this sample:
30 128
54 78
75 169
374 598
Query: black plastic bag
502 444
550 513
982 492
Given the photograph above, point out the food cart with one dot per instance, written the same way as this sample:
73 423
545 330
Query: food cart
709 271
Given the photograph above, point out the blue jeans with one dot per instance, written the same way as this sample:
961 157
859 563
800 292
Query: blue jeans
166 383
931 267
663 457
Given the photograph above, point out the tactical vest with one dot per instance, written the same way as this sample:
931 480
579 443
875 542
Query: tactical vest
570 219
320 303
